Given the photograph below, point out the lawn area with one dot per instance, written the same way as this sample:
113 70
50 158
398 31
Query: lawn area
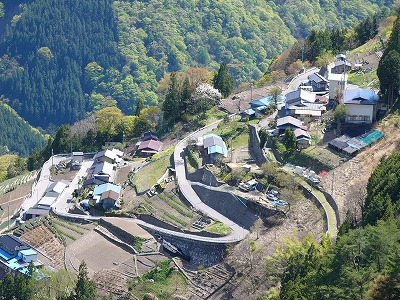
218 228
235 129
193 160
165 282
364 79
316 158
147 176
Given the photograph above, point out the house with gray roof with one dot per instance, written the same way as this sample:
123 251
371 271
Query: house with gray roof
214 145
289 122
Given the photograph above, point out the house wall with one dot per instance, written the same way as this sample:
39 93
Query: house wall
29 258
357 113
333 84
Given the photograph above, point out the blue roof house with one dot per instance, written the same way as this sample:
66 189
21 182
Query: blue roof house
15 255
100 189
215 146
260 105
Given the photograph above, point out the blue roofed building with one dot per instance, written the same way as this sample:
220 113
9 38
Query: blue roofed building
214 145
260 105
15 256
100 192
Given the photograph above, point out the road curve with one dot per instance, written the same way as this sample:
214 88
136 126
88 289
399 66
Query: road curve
238 233
61 205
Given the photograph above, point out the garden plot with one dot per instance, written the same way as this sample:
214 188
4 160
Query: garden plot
97 251
47 244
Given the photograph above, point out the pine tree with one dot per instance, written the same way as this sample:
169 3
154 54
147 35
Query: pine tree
85 288
139 107
171 105
223 80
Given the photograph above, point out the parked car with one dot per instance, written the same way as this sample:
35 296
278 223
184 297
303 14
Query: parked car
272 197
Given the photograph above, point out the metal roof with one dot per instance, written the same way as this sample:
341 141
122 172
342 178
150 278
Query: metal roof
150 144
57 187
289 120
360 96
100 189
213 139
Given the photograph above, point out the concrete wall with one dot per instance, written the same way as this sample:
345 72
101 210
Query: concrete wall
254 146
201 254
234 208
205 176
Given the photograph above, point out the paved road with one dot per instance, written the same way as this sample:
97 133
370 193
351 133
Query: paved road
63 202
238 232
39 188
295 83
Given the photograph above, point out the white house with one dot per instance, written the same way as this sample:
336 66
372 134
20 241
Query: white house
337 84
361 105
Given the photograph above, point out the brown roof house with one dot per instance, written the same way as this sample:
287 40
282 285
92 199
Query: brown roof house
149 147
110 199
303 138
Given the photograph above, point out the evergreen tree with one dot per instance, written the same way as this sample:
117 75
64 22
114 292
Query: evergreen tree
85 288
289 139
223 80
139 107
186 95
172 104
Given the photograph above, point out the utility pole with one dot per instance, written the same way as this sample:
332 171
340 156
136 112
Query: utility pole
333 179
251 91
8 216
52 157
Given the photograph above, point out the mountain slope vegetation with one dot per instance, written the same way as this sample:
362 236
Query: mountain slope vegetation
60 60
16 135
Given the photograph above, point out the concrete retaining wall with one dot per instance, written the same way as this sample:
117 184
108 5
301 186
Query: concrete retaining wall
333 204
234 208
157 222
200 253
254 146
205 176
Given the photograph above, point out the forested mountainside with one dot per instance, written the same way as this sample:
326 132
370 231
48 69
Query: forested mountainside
16 135
62 59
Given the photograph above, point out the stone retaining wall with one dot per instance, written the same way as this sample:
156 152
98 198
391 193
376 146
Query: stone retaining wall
254 146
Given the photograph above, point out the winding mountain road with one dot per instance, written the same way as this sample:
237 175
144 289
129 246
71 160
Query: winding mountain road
238 233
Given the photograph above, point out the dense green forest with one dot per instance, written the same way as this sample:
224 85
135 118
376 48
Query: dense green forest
16 135
60 60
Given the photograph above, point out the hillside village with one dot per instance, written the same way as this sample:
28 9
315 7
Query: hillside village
104 208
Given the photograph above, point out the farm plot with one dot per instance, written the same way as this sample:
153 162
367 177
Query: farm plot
68 232
47 244
97 251
167 206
